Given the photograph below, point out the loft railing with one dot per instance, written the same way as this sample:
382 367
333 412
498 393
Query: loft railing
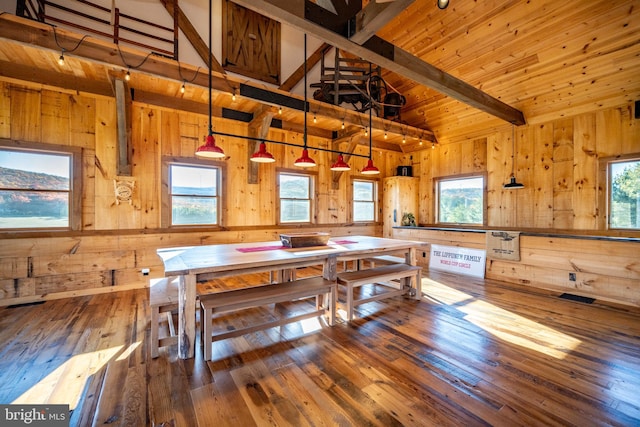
30 9
107 23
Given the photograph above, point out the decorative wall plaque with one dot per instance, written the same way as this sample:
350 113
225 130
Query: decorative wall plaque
123 188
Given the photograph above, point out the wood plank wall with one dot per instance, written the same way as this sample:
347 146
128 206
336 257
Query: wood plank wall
545 262
557 161
117 240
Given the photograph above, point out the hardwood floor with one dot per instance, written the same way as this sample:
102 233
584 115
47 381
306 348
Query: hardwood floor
471 353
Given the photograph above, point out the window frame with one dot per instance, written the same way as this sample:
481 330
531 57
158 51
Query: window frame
312 195
604 189
376 200
75 180
167 197
436 197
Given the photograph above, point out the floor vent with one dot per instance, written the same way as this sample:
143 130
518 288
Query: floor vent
578 298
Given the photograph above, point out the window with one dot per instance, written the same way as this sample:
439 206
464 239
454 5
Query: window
624 194
36 189
460 200
295 192
194 194
364 200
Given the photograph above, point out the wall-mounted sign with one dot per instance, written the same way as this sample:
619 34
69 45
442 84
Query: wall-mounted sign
503 245
453 259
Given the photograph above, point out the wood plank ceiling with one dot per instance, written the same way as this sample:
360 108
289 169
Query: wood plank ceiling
544 58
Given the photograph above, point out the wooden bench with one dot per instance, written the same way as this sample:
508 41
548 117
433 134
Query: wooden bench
163 300
397 276
381 260
324 290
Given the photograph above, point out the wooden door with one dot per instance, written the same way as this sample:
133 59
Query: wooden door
250 43
399 196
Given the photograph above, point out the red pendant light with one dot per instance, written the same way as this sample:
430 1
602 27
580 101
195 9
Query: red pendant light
305 161
340 164
210 150
370 169
262 155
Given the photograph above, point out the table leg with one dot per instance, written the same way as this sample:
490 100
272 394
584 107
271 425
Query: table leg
417 282
187 316
330 268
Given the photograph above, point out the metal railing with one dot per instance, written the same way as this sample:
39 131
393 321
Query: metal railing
107 23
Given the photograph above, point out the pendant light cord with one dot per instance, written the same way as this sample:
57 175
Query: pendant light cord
370 119
304 136
513 151
210 61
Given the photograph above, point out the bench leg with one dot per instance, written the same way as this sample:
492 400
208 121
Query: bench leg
333 301
418 279
349 302
329 303
155 326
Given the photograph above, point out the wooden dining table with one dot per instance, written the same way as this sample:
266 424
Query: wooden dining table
200 263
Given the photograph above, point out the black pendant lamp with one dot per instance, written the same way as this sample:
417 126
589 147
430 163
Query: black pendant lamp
210 150
513 184
305 161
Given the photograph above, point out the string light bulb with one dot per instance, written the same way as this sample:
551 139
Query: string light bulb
343 125
315 119
233 97
127 76
385 135
182 88
61 58
433 145
366 132
280 110
404 139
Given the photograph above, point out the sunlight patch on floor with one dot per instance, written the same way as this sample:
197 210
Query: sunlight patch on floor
65 384
125 354
504 324
311 325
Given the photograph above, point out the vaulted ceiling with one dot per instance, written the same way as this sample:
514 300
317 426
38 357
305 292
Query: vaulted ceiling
465 70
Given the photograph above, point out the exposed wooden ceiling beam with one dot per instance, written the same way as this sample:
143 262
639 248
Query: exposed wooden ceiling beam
123 119
298 74
374 16
193 36
48 78
182 104
38 35
388 56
